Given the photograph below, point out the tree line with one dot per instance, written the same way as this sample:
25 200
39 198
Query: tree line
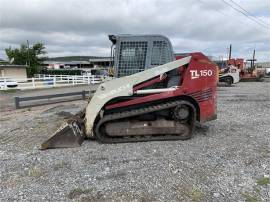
32 56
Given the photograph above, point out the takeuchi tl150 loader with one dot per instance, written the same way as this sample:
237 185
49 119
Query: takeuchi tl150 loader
156 96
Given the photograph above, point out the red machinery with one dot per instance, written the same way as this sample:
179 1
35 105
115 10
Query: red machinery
251 73
142 112
159 103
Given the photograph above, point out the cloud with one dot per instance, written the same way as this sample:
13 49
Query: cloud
80 27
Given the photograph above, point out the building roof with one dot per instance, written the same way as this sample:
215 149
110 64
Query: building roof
13 66
65 62
88 60
74 58
100 59
264 64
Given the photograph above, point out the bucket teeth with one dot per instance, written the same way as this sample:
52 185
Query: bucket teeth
71 134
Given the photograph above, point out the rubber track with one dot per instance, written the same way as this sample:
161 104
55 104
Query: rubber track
141 138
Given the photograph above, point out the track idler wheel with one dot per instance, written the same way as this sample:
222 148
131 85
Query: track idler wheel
185 114
182 113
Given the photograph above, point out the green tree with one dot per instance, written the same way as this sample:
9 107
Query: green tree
32 57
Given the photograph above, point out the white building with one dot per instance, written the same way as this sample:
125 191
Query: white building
13 71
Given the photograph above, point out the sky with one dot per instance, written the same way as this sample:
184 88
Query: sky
81 27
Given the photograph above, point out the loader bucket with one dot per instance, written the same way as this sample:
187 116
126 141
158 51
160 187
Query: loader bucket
71 134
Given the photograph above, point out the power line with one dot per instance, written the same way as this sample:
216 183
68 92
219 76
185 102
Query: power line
238 10
218 11
225 14
262 25
265 23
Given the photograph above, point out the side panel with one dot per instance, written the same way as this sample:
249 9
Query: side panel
201 76
199 81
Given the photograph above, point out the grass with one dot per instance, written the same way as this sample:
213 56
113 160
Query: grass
195 194
35 172
74 193
264 152
249 197
28 109
10 90
117 196
253 197
5 119
59 165
263 181
186 192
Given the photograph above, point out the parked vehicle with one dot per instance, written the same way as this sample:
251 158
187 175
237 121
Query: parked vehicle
99 75
96 72
229 75
7 83
267 71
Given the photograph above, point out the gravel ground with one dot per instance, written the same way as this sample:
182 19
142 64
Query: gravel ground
227 159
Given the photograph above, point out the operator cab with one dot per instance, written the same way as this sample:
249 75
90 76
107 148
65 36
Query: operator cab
135 53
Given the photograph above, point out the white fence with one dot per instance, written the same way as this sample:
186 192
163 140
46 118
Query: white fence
48 81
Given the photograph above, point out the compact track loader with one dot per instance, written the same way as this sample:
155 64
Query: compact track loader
162 102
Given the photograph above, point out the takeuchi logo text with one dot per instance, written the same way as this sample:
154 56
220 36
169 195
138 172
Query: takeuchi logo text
200 73
114 91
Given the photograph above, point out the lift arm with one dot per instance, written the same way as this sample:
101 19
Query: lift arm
73 132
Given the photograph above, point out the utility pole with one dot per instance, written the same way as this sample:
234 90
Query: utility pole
230 52
253 58
252 61
222 64
28 59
